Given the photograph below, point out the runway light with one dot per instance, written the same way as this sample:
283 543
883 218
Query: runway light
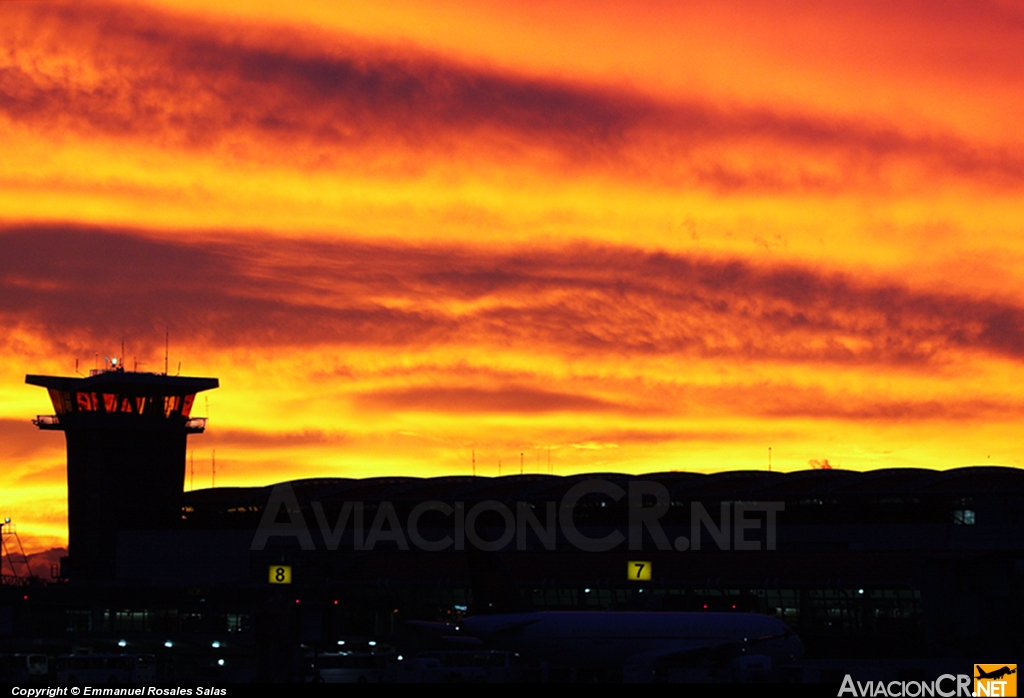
122 643
372 643
168 644
341 642
399 657
215 644
860 591
586 591
220 662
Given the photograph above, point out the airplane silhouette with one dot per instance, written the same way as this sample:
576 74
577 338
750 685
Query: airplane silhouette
996 674
610 640
617 638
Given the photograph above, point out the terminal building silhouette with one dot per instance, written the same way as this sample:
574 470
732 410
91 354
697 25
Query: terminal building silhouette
901 566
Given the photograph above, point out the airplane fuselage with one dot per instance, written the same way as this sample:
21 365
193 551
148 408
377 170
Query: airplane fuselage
613 638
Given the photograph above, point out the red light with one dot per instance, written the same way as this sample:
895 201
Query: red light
25 597
335 602
734 607
705 607
297 601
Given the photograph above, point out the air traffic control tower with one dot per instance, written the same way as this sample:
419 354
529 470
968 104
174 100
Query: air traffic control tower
126 434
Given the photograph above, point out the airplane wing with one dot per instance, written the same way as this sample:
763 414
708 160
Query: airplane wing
433 627
447 632
513 626
711 653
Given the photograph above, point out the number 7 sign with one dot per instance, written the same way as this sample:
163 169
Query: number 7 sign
639 570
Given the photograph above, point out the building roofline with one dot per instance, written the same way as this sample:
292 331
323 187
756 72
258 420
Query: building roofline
126 381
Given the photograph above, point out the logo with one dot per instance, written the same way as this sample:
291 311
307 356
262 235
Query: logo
436 525
995 680
946 686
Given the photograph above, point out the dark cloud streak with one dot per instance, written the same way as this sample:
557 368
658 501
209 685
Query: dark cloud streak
606 301
517 399
183 83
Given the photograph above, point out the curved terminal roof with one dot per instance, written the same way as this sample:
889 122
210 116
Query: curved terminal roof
957 483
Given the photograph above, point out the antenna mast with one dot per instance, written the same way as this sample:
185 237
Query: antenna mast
12 531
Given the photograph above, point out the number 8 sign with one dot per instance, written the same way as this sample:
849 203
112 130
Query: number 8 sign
280 574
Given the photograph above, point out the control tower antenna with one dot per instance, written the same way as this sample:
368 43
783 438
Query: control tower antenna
167 348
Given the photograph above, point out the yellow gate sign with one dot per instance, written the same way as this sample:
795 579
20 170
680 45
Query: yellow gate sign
639 570
280 574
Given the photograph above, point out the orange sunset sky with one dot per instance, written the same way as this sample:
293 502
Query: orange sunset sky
636 236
